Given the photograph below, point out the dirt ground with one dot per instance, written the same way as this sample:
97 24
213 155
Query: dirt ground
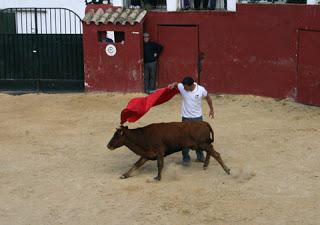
55 167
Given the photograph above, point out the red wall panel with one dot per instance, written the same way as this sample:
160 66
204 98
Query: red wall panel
309 68
179 57
250 51
122 72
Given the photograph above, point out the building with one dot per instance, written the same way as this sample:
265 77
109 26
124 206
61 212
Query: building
261 49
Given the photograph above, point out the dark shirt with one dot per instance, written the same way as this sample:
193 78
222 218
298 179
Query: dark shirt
109 40
149 49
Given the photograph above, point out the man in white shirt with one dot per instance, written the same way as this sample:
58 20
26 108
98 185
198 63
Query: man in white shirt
191 108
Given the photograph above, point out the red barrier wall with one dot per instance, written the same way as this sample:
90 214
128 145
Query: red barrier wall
122 72
251 51
308 83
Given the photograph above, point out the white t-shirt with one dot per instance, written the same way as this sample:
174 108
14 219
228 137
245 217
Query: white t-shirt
191 101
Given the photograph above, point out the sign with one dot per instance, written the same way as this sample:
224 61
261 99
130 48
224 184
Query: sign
111 50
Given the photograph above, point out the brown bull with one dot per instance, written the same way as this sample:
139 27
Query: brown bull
155 141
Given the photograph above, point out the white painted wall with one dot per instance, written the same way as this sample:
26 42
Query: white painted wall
231 5
78 6
49 21
119 3
312 2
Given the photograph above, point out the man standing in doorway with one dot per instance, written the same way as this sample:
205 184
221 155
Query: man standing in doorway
191 108
152 51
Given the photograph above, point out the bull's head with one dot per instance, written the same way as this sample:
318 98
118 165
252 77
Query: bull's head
118 138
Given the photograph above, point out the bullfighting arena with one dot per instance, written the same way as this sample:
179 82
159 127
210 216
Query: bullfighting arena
55 167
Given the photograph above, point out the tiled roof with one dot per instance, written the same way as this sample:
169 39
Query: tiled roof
114 15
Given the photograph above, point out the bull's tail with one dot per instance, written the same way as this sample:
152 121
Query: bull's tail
211 134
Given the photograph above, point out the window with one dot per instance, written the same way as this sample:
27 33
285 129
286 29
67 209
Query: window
111 36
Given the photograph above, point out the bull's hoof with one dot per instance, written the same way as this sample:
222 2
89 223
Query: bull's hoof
124 176
228 171
205 167
157 178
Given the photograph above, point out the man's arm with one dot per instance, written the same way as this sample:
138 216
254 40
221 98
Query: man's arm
209 101
158 49
173 85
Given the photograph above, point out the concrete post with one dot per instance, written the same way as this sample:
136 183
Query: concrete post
118 3
231 5
172 5
312 2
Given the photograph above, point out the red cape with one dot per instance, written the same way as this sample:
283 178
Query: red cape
137 107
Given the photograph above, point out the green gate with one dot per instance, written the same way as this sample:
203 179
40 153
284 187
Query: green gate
41 50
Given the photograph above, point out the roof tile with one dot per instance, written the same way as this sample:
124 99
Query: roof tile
114 15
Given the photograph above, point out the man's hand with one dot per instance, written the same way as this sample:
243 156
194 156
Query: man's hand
211 114
173 85
155 55
209 101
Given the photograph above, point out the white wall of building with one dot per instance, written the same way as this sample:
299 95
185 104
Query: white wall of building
78 6
312 2
49 21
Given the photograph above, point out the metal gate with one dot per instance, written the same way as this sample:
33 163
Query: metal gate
41 50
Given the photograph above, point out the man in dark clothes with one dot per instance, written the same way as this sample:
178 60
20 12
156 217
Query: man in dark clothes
212 4
198 2
136 3
152 51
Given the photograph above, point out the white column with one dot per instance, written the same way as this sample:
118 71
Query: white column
118 3
172 5
312 2
231 5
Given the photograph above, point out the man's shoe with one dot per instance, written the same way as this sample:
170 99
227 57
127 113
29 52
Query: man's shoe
200 159
186 162
200 156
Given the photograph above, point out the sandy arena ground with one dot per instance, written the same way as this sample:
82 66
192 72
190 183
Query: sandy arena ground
55 168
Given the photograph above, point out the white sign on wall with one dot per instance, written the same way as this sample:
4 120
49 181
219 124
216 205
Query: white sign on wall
111 50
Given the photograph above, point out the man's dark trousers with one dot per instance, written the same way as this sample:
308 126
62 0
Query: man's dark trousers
185 151
150 70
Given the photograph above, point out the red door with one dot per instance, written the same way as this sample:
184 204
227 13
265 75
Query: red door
309 68
180 53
